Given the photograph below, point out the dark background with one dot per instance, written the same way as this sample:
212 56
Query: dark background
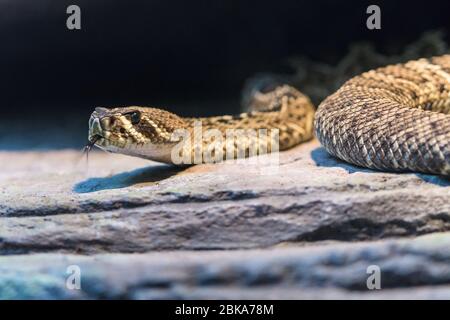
191 57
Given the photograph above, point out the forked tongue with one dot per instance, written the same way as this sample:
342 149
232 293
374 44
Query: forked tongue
89 146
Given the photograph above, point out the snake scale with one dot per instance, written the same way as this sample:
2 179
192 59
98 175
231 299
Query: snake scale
394 118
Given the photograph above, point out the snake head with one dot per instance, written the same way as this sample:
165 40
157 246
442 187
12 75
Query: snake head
114 126
138 131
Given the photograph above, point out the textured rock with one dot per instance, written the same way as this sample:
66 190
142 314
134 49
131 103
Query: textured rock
49 202
124 212
333 270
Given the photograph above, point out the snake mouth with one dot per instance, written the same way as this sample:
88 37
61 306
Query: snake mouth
105 140
91 142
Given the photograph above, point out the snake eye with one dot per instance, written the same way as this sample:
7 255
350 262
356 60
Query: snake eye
135 117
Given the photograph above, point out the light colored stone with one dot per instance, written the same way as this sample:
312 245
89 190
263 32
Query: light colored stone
49 202
411 269
141 221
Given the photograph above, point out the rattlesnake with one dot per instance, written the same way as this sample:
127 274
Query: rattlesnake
395 118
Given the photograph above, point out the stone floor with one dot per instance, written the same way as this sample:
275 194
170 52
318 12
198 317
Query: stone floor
303 225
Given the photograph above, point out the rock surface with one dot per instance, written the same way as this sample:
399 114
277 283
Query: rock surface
119 207
317 272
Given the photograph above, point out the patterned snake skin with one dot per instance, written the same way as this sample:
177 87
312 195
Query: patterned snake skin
395 118
151 133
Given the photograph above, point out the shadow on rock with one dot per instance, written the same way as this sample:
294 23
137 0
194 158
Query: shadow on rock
151 174
436 180
323 159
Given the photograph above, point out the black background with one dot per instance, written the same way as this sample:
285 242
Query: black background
177 54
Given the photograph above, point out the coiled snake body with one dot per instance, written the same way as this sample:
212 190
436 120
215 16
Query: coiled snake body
395 118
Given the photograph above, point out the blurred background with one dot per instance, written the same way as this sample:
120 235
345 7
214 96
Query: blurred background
190 57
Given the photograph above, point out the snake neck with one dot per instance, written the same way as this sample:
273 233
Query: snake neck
285 110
